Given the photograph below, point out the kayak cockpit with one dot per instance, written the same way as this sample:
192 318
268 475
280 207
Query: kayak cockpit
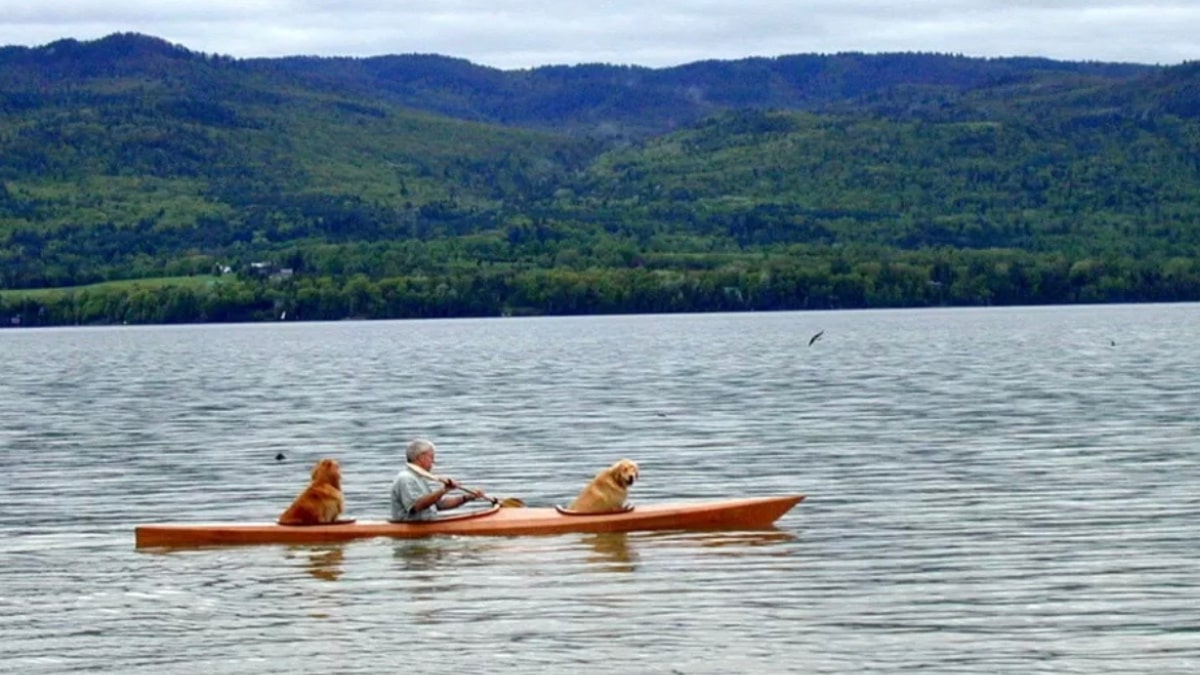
466 515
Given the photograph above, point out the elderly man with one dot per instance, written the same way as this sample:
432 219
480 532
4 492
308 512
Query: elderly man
413 498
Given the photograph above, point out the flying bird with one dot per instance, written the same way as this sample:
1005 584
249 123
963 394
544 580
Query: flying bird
815 338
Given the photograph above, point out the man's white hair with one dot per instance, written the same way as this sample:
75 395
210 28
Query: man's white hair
418 448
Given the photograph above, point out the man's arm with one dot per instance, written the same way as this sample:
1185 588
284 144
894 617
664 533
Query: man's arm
454 502
429 500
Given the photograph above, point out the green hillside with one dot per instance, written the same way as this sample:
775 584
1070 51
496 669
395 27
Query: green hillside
429 187
1096 186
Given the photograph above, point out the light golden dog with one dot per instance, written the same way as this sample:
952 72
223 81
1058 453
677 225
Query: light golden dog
320 502
608 490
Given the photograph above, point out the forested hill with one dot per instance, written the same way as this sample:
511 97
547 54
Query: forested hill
626 101
429 186
594 99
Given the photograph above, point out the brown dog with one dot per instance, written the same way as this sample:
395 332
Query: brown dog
608 489
322 501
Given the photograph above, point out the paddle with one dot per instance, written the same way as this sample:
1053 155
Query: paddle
507 502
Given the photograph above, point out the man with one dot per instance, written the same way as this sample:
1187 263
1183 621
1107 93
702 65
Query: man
413 498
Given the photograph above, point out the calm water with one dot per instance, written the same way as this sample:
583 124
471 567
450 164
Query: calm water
1000 490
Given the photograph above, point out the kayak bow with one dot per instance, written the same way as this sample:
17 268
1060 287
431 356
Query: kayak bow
754 513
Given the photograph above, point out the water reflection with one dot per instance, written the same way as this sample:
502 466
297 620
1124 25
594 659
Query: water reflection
427 573
421 555
611 550
734 543
324 563
424 563
742 539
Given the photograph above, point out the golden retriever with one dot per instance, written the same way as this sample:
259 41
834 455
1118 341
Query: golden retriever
320 502
608 489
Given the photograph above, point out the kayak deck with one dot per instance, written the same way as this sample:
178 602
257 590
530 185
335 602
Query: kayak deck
732 514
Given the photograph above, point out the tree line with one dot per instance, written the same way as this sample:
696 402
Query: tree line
796 280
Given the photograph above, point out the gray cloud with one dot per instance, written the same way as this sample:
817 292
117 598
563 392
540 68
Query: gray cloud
526 33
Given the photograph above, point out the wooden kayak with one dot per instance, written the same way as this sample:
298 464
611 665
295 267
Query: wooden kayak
734 514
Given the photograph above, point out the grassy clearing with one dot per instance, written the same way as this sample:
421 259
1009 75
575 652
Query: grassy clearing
201 281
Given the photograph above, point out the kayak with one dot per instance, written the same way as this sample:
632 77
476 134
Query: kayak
733 514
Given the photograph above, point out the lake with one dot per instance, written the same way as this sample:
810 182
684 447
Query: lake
989 490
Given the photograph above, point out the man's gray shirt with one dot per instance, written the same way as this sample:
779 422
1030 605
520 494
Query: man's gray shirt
406 490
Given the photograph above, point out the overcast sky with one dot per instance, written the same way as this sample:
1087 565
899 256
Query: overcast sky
526 33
